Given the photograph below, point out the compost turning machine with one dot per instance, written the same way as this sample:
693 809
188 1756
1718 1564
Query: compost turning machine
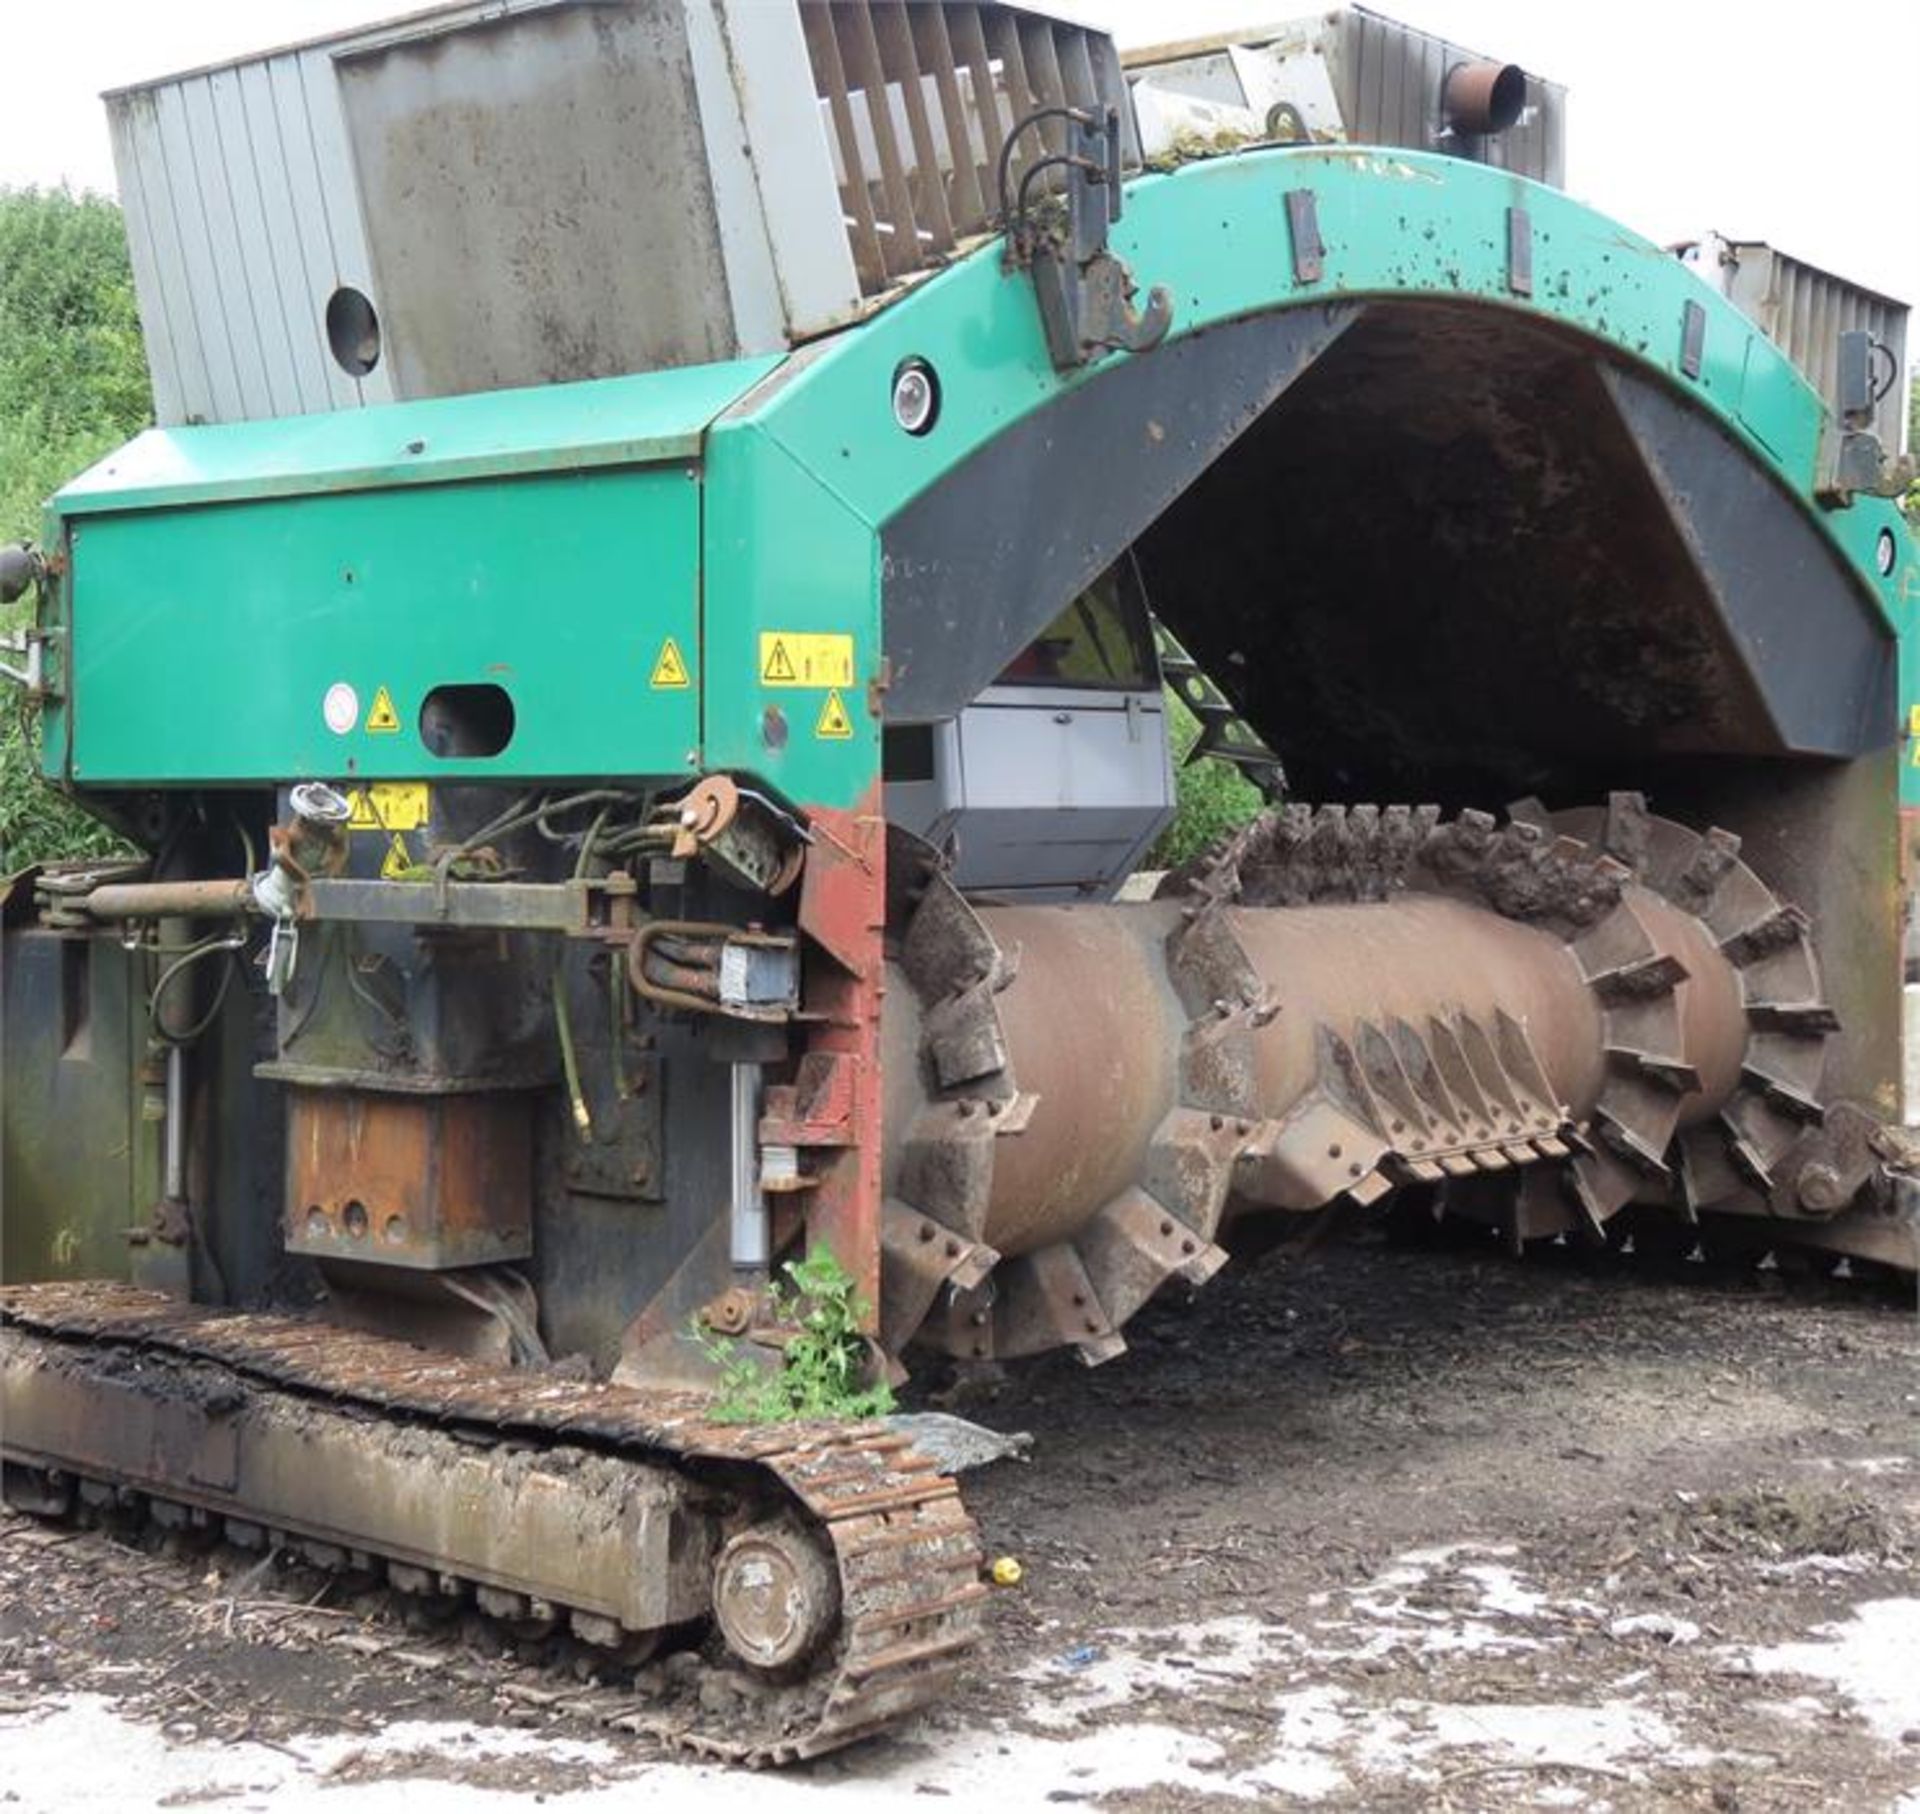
635 660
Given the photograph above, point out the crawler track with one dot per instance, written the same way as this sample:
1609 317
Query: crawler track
906 1553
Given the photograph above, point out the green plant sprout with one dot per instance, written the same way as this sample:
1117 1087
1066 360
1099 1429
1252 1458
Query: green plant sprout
823 1372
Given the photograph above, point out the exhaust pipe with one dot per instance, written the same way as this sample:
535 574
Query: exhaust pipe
1483 98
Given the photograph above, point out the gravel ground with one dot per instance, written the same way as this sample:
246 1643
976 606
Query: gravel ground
1367 1529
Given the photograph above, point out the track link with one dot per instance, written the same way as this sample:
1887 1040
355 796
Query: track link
905 1554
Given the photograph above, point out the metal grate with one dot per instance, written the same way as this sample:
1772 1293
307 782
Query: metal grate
918 171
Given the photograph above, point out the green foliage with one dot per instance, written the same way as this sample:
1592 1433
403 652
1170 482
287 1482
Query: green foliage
1215 797
1911 502
824 1370
37 824
73 386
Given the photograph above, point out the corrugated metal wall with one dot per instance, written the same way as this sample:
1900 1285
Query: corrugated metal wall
1386 81
1804 311
1389 77
242 221
530 191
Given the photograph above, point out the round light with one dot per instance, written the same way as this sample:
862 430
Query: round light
1884 552
916 396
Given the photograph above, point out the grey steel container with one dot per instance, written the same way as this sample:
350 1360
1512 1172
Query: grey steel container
1384 81
1804 311
508 192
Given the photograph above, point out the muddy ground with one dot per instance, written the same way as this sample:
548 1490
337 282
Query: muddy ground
1378 1529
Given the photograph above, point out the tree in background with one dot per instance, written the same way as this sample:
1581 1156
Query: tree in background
1911 503
73 377
73 385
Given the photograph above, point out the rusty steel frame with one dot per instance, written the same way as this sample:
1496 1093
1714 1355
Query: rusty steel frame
427 1181
832 1111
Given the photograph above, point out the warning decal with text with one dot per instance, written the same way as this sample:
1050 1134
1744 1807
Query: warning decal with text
389 806
806 658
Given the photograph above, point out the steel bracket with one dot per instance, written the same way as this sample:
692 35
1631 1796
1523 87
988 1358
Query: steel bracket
1085 292
1854 463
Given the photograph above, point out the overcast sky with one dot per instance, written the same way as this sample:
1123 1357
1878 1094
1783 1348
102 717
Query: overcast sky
1796 125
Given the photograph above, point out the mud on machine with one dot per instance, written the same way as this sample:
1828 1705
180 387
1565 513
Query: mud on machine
635 659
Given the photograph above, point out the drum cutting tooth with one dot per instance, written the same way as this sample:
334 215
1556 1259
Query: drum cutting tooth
1781 1092
1628 826
1710 864
1189 1167
918 1257
1135 1245
1530 811
1748 1158
1046 1300
1623 1140
1781 928
1807 1019
1596 1187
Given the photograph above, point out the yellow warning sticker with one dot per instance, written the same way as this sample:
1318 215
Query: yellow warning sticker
670 671
805 658
389 806
397 864
833 720
1913 721
380 715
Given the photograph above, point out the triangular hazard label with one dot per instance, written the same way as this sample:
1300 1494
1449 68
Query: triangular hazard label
779 664
381 716
669 670
389 806
833 720
397 865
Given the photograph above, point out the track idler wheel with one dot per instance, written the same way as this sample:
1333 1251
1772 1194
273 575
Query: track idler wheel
776 1595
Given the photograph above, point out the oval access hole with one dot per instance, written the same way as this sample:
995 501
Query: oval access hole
466 721
353 331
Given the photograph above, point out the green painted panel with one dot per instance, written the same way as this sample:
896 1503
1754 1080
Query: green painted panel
785 556
1867 522
656 416
205 641
1395 224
